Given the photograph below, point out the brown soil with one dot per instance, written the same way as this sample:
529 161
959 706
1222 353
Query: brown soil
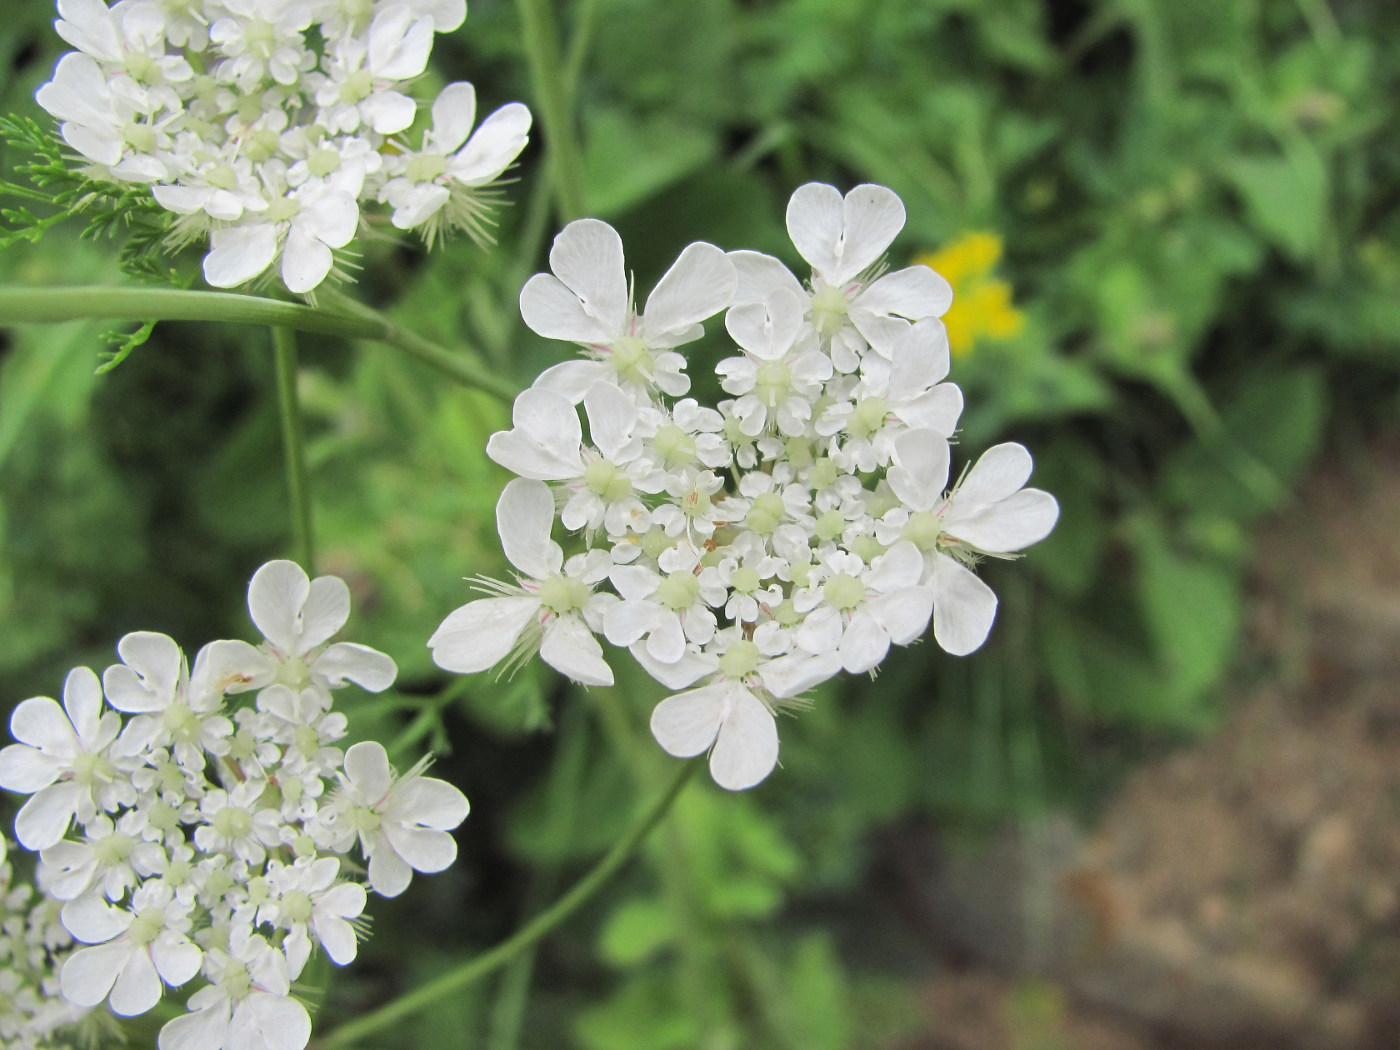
1243 891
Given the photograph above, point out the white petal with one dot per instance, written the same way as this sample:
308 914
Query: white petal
612 416
689 669
27 770
544 444
920 358
747 748
264 1021
587 257
481 633
368 668
1011 524
900 566
305 261
82 699
41 723
921 468
914 292
137 987
571 649
871 216
688 723
152 672
389 874
44 819
92 920
1000 471
325 610
176 959
626 621
454 113
423 849
864 644
87 976
239 253
337 937
760 275
367 768
496 143
434 803
814 218
399 44
795 673
201 1030
524 517
552 310
963 607
276 595
904 613
700 284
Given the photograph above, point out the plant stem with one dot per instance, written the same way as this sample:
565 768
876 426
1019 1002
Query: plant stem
26 305
549 77
284 351
494 958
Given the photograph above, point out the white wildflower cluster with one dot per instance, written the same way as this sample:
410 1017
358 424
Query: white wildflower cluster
33 944
266 125
188 833
759 547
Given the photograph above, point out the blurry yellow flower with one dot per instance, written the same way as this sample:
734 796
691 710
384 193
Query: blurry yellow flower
982 305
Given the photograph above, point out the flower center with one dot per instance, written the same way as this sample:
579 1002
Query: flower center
323 161
678 591
740 659
867 547
923 529
766 513
632 359
868 417
844 592
425 167
90 769
829 307
147 925
296 906
831 524
563 594
606 481
113 849
772 382
283 209
674 446
232 822
744 579
356 87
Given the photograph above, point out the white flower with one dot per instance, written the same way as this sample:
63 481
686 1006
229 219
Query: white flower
308 898
63 760
247 1008
551 610
990 512
358 86
134 950
297 617
732 714
587 300
860 611
435 186
402 823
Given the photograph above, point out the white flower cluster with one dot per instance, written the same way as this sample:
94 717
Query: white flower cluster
204 836
757 548
267 124
33 943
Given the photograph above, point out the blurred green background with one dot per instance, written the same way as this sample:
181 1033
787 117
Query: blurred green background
1173 227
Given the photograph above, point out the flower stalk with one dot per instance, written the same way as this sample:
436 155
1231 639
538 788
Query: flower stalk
493 959
284 349
351 320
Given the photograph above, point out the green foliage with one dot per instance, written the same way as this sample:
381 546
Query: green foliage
1196 202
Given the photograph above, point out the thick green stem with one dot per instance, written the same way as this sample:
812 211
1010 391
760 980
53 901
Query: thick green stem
475 969
284 349
550 80
38 305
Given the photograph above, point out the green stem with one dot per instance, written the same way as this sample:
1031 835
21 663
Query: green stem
493 959
31 305
284 350
549 77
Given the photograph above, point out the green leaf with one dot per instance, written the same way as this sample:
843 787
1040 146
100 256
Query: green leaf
628 159
1192 608
636 930
642 1013
1285 197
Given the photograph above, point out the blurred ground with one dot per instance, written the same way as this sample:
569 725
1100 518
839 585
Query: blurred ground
1242 891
